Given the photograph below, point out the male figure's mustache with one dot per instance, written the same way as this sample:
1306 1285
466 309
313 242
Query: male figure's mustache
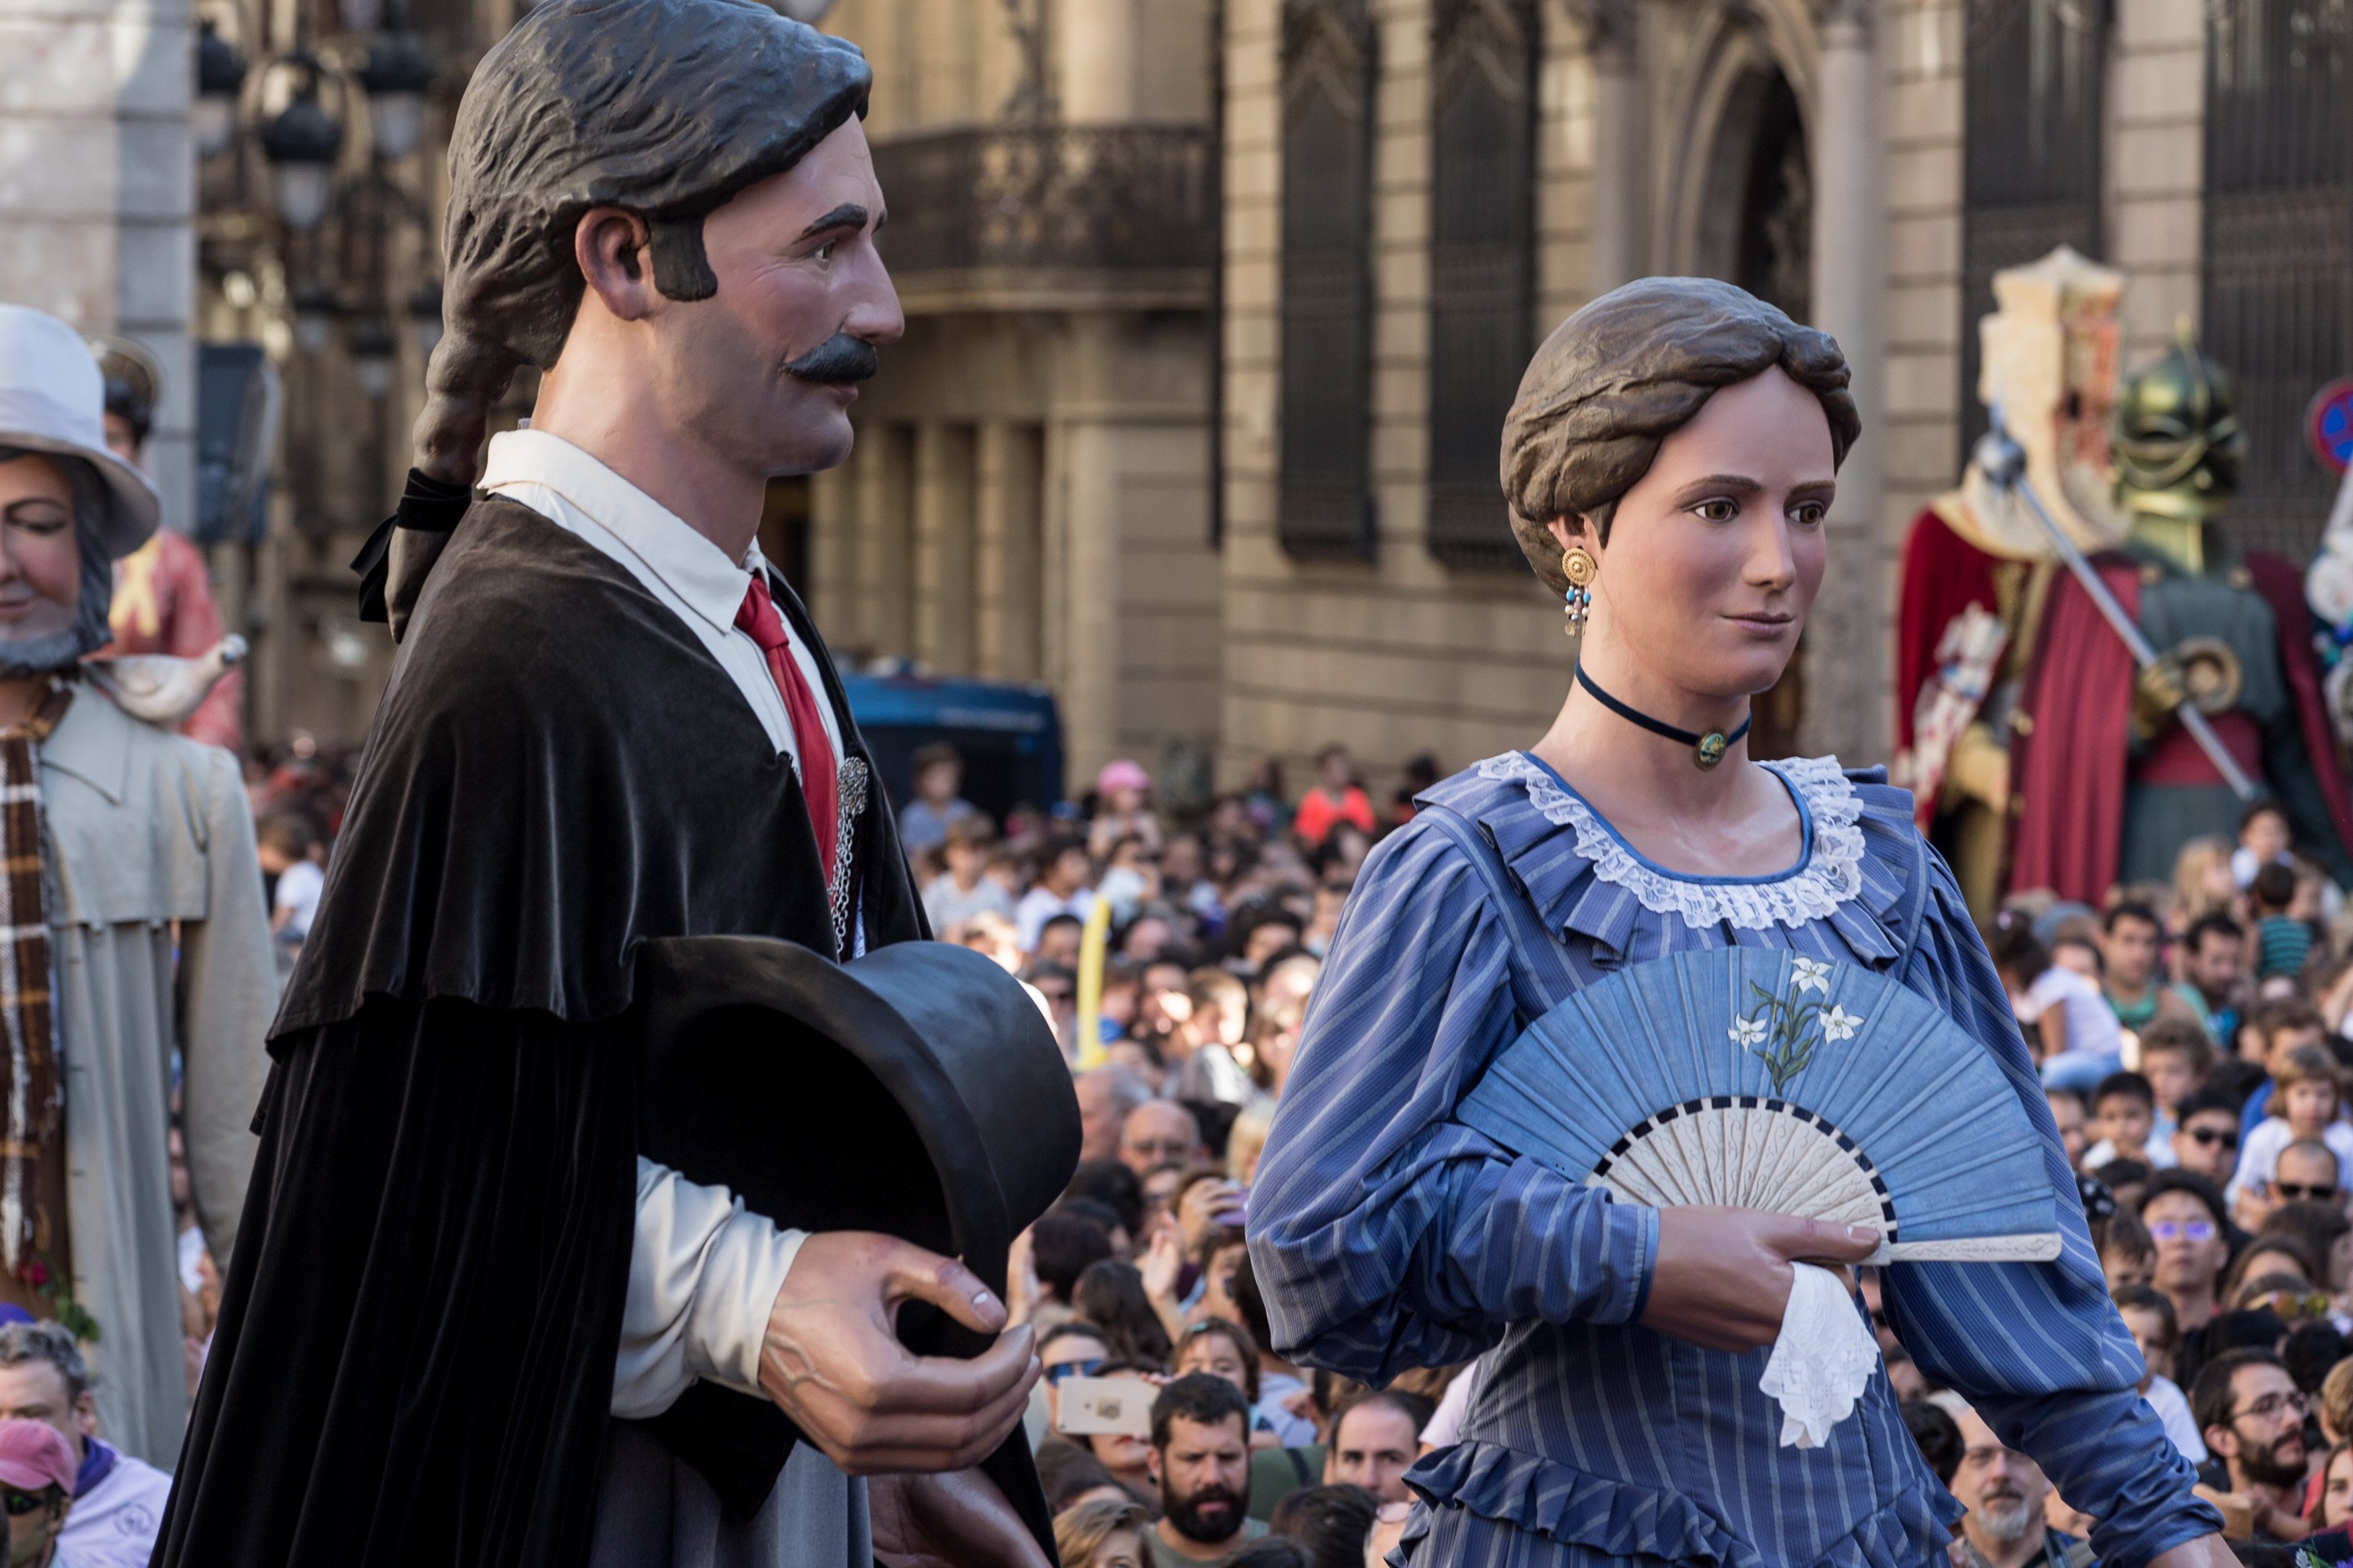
840 358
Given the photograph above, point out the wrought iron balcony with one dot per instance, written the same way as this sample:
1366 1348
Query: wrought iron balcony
1050 217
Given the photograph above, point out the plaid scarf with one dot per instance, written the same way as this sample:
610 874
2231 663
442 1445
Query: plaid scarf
32 1116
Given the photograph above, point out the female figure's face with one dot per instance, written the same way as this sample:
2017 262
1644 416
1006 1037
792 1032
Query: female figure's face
1715 554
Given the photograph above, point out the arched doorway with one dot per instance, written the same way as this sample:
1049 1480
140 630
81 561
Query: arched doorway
1752 224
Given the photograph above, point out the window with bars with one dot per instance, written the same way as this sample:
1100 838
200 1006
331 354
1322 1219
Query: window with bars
2033 81
2278 296
1482 264
1328 63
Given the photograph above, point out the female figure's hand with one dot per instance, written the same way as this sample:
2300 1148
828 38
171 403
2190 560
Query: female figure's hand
1723 1278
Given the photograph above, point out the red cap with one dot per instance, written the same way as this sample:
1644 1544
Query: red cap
35 1456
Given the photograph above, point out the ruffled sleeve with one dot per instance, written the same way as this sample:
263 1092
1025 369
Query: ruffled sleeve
1385 1235
2036 1347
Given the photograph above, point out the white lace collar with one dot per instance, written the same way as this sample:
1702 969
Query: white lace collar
1830 874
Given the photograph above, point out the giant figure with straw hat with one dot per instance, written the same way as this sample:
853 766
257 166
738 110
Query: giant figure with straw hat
115 835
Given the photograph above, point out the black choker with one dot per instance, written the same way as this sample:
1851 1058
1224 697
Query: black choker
1706 749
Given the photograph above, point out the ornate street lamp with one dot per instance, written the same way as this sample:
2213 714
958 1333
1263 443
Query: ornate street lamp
372 347
301 143
314 316
220 74
395 77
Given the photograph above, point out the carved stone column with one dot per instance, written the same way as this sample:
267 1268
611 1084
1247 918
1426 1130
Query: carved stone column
1099 61
943 546
1620 147
1848 652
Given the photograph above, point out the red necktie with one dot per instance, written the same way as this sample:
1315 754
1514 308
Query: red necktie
820 781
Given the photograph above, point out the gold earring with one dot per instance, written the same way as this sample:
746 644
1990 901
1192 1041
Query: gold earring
1580 567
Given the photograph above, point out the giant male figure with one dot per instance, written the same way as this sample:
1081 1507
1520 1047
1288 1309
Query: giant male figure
462 1290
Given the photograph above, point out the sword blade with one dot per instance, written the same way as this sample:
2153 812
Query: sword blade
2122 624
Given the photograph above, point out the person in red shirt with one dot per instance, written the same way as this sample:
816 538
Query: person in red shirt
162 591
1336 798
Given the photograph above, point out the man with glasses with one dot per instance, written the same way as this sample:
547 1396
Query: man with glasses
2252 1416
2206 1136
2184 1214
36 1483
2005 1492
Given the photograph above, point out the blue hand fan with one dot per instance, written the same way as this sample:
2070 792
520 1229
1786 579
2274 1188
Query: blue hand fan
1771 1081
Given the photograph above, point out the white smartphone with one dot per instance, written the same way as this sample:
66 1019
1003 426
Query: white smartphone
1122 1406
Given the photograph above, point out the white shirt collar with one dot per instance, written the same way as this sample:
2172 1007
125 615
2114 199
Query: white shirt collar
693 567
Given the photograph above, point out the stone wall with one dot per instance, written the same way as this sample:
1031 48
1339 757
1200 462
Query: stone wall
97 190
1397 656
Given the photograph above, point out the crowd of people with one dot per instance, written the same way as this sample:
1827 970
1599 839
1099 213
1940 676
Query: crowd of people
2196 1044
2194 1047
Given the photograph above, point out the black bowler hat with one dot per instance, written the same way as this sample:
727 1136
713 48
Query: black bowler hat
917 1091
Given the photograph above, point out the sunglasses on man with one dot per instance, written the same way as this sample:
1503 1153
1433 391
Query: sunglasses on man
18 1503
2207 1137
2313 1192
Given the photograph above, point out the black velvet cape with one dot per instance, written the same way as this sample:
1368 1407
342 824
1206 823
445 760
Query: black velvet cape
413 1363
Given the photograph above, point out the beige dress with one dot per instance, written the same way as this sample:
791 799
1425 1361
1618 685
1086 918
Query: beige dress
146 828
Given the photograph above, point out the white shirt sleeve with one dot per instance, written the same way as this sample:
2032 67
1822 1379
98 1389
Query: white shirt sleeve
703 1277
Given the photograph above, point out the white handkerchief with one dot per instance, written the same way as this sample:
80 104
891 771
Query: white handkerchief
1823 1360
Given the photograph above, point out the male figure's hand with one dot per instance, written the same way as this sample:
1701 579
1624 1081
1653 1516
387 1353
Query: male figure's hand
1722 1276
833 1363
956 1520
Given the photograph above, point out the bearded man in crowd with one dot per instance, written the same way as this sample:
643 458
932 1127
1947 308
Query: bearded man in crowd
1200 1461
2006 1492
131 919
2251 1413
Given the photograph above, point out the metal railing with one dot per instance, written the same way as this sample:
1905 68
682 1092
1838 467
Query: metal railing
1090 197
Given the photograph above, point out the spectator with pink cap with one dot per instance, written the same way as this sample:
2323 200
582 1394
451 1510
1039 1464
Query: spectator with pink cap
119 1499
1124 810
37 1484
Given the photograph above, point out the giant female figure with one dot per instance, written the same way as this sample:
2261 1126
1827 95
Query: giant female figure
1670 460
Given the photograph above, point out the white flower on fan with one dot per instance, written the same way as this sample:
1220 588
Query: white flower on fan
1747 1031
1838 1024
1813 975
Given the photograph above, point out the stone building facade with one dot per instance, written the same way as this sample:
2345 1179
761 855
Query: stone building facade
1030 495
97 190
1215 306
1413 193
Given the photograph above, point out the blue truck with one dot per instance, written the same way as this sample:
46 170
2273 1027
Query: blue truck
1010 736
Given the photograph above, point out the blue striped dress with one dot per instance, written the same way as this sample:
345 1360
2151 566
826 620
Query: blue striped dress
1388 1236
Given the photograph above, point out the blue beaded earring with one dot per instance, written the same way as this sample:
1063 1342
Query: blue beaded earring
1579 568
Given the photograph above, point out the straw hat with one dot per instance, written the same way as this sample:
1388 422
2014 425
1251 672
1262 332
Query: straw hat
53 399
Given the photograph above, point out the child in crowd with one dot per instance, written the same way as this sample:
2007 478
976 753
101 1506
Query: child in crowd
2067 1111
2065 1018
2264 840
2305 1100
2281 943
2124 1112
2149 1317
2127 1255
293 865
2174 1056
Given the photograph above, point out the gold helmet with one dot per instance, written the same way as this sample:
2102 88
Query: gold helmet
2178 441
